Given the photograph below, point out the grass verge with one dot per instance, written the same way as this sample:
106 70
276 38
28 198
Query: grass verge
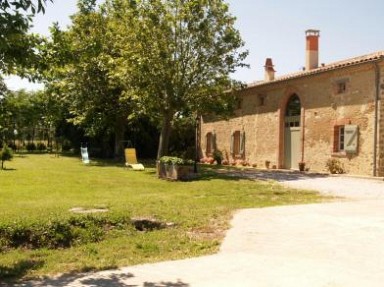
40 189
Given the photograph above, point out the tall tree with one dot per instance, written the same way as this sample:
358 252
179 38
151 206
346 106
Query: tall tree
177 57
15 44
4 114
32 113
77 64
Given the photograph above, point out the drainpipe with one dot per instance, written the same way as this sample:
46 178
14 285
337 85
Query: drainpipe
377 97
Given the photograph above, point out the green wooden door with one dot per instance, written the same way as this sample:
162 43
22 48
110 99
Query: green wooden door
292 133
292 147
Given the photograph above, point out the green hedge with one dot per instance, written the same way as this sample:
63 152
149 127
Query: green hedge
59 233
176 160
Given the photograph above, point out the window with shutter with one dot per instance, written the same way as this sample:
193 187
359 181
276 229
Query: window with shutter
351 136
338 139
345 139
341 138
237 144
210 144
242 143
232 143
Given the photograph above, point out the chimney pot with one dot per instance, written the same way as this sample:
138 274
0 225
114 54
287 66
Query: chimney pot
312 49
269 70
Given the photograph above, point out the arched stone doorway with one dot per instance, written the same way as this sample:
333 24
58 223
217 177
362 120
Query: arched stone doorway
292 132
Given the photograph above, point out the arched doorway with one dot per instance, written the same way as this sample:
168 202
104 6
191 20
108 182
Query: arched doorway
292 132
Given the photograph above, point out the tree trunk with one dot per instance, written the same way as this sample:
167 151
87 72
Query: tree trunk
119 137
106 149
164 135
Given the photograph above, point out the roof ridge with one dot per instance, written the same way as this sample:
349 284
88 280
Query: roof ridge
333 65
372 56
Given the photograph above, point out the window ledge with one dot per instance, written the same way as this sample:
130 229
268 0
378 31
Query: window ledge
339 154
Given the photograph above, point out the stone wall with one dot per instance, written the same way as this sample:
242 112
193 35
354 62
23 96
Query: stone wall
261 117
381 125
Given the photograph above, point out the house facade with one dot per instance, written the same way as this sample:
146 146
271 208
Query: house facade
333 111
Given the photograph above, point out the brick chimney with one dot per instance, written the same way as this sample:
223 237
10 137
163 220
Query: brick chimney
269 70
312 50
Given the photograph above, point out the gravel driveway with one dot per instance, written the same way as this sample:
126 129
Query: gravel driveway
332 244
336 185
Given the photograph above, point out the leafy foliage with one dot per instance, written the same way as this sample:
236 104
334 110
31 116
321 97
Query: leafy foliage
176 160
26 5
33 114
218 156
177 57
334 166
5 155
58 233
16 46
169 60
76 65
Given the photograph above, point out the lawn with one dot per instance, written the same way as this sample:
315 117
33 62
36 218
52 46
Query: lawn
42 188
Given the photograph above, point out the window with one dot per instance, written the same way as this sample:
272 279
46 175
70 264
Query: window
340 86
293 112
293 107
210 145
341 138
261 99
338 139
345 139
238 144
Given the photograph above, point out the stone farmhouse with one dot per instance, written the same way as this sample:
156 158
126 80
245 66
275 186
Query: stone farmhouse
333 111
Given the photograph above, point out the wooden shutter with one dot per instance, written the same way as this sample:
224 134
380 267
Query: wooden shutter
214 146
242 143
207 144
351 136
336 138
232 142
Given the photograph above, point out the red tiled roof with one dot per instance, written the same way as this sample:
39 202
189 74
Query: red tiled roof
336 65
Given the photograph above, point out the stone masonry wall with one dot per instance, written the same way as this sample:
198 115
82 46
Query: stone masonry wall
325 109
381 125
261 117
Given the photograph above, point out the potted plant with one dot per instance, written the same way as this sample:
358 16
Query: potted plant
301 165
218 156
175 168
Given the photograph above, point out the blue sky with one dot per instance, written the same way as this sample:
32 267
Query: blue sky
276 29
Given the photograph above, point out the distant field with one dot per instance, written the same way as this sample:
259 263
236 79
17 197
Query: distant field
38 189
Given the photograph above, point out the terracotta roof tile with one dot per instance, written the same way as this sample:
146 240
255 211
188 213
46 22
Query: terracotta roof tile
329 67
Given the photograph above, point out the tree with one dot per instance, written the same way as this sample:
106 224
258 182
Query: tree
31 115
77 64
4 113
176 57
16 46
5 155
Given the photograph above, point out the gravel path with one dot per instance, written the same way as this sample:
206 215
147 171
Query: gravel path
351 188
329 245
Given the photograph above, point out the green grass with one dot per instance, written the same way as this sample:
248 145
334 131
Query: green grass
40 188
